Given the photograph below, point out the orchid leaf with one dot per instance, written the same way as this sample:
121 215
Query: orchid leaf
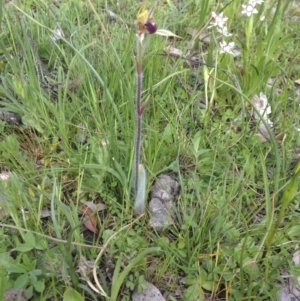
166 33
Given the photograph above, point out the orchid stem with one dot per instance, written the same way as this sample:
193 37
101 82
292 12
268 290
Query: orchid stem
139 112
144 25
138 129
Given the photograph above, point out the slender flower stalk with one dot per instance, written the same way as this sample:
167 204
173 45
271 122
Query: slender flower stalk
144 25
139 84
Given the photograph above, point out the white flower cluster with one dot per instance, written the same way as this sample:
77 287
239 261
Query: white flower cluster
220 23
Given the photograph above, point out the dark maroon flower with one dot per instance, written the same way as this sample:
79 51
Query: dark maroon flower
150 27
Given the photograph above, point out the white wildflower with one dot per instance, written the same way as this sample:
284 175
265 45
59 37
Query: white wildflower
227 47
219 20
263 107
220 23
249 10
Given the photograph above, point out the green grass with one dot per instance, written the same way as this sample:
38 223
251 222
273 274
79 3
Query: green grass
237 224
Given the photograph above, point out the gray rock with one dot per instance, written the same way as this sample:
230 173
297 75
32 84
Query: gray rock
284 294
150 293
161 216
161 206
165 188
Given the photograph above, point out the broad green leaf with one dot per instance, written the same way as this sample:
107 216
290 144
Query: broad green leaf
36 272
41 245
11 266
24 247
209 286
29 292
39 286
32 279
107 234
181 244
192 293
21 281
203 275
4 257
71 295
30 239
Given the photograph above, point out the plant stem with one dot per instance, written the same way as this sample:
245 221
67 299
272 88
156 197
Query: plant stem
139 84
138 129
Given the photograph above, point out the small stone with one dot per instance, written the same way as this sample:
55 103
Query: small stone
161 205
150 293
160 215
165 188
283 294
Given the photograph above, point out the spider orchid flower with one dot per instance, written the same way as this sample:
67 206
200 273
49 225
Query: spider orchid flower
145 24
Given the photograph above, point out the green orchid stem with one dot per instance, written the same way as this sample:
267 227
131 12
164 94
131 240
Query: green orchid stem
138 125
139 112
